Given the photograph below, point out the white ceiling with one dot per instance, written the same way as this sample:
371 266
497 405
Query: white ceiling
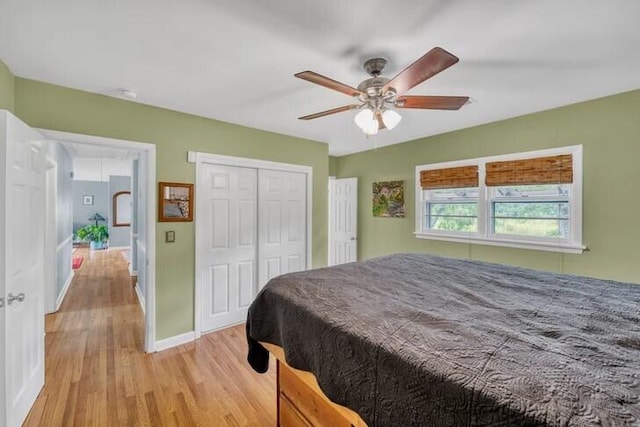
234 60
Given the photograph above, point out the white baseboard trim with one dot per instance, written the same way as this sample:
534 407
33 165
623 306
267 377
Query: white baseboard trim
65 288
132 272
118 248
140 298
174 341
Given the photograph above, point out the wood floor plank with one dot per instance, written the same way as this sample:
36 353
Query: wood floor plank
98 374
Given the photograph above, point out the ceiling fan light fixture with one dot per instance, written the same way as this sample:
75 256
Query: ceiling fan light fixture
371 128
391 118
366 121
363 118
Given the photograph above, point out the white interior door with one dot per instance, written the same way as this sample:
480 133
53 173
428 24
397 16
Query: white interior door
282 223
227 210
343 220
23 176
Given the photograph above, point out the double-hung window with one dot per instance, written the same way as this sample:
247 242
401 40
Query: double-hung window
450 199
535 211
530 200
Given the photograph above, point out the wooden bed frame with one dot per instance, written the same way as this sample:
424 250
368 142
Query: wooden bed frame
301 402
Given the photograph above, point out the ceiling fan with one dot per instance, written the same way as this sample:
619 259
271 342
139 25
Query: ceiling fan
378 96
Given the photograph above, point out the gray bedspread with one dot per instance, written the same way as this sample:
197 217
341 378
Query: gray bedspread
421 340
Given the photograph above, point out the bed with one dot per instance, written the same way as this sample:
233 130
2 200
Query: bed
415 339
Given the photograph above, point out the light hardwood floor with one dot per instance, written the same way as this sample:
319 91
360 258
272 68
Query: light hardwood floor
98 374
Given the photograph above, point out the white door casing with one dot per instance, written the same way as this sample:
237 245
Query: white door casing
23 180
343 220
228 245
281 223
142 267
51 238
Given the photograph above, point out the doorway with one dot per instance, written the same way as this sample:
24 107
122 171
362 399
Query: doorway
146 200
343 220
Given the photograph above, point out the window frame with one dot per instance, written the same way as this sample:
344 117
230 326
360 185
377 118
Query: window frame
484 234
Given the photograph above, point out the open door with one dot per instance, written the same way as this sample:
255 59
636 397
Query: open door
22 230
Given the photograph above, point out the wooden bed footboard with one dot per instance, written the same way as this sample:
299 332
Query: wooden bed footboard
301 402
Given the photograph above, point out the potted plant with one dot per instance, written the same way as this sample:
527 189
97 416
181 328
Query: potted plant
97 235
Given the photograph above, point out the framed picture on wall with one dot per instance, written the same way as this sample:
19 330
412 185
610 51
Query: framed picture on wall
87 199
175 202
388 199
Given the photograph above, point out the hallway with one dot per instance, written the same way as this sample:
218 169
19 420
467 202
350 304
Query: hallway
98 374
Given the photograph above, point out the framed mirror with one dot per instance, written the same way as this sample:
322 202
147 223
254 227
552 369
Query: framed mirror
122 209
175 202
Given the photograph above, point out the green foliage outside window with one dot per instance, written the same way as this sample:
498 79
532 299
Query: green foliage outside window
453 216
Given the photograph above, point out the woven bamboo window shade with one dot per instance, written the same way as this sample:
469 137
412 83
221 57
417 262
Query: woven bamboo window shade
540 170
460 177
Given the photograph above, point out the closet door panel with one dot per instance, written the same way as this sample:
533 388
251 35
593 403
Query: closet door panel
229 243
281 223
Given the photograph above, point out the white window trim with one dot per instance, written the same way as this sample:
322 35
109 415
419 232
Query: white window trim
482 236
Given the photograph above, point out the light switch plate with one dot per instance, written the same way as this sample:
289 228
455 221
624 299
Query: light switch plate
191 156
169 236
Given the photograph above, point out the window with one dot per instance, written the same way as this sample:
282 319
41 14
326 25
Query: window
454 209
530 200
540 211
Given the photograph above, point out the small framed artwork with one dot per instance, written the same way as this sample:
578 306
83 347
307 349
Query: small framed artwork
175 202
87 199
388 199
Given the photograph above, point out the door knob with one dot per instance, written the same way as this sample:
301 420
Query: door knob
11 298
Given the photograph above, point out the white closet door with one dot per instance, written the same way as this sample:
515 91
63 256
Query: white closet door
282 223
228 243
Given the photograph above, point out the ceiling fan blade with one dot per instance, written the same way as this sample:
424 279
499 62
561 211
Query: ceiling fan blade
434 61
432 102
321 80
328 112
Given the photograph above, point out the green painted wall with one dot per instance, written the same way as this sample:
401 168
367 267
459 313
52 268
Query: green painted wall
608 128
53 107
333 165
7 87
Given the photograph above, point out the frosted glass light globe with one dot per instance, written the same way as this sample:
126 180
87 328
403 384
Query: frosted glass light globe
363 118
391 118
371 128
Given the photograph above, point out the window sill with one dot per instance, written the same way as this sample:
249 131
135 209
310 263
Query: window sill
539 246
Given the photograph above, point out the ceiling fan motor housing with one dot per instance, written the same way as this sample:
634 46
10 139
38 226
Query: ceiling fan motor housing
373 95
373 87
